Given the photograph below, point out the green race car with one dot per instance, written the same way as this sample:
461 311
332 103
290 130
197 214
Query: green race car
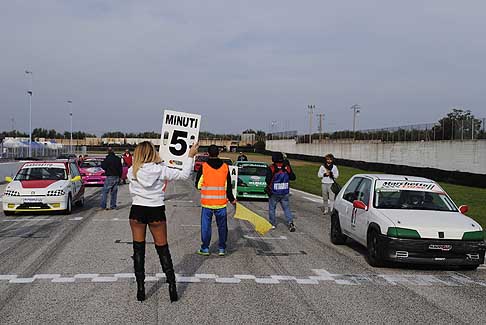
251 179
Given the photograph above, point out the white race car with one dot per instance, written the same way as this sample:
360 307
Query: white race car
44 186
406 219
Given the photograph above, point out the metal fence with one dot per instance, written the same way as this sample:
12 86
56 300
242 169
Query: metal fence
450 130
37 153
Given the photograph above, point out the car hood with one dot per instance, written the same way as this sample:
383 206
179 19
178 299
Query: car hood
429 223
37 187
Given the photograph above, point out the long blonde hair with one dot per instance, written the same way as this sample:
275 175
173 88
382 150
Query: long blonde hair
144 153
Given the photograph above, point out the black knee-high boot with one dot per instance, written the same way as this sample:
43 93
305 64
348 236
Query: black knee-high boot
168 268
139 266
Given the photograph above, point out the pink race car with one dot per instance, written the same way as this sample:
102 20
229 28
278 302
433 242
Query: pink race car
91 172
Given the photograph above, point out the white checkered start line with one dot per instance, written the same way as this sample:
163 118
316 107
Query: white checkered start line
449 279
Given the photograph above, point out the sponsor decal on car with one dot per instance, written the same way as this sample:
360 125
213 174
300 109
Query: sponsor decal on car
44 165
440 247
385 186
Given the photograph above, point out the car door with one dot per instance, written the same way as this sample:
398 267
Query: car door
75 186
345 207
360 217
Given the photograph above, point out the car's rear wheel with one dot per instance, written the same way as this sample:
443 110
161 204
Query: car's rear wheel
375 255
337 237
69 205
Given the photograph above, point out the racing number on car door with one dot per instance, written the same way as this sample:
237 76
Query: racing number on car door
178 143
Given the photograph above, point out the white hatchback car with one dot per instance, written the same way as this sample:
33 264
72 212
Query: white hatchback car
44 186
406 219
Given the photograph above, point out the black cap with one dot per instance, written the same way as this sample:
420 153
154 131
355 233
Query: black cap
277 157
213 150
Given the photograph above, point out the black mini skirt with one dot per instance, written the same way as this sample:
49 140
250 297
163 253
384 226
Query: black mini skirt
146 214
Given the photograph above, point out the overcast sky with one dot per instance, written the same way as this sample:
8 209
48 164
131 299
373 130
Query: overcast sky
240 64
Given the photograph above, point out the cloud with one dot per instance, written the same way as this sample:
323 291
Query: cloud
240 64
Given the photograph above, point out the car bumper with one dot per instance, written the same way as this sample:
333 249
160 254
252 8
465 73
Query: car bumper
94 180
419 251
39 203
251 194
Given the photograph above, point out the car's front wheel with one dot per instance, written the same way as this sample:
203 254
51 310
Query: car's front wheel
375 249
337 237
8 213
469 267
69 205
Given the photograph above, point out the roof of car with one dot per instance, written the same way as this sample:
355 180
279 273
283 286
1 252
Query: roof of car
251 163
393 177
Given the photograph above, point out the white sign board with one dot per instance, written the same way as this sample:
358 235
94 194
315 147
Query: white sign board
234 178
179 132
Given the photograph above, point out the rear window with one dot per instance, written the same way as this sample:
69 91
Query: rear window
90 164
252 171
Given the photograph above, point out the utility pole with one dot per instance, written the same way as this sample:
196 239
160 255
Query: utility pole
70 102
29 92
356 110
311 114
320 115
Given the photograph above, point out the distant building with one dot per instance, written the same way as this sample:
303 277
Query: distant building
248 139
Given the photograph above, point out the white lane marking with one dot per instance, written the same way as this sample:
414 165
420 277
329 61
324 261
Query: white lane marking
86 276
306 193
125 275
76 219
227 280
266 281
283 277
25 219
266 238
188 279
313 200
7 277
448 279
245 276
22 280
105 279
205 276
63 280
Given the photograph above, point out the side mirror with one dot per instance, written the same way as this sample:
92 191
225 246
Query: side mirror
76 179
359 205
464 209
8 179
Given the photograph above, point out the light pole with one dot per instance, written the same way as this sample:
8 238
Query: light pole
320 115
311 114
29 92
70 102
356 109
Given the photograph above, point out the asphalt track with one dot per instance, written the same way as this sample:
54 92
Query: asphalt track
77 269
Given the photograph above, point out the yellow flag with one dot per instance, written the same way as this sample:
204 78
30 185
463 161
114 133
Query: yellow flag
262 226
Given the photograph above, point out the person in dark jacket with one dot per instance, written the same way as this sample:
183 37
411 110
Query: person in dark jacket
214 181
278 178
113 170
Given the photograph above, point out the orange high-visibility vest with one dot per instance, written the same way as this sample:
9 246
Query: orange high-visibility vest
213 187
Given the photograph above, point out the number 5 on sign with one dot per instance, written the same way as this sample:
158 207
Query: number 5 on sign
179 132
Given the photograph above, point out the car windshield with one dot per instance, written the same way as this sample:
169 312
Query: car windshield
90 163
36 174
252 171
412 200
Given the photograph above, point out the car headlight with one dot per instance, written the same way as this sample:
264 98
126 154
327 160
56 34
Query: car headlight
12 193
56 193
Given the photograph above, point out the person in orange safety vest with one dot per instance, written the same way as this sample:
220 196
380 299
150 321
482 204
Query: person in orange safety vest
214 181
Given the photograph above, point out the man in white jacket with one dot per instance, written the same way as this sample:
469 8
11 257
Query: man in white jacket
328 173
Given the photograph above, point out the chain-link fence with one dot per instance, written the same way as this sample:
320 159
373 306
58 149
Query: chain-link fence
466 129
38 153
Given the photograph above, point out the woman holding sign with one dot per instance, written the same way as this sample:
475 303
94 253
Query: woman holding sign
147 178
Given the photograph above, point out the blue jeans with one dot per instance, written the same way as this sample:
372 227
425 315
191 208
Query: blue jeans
272 205
206 219
111 184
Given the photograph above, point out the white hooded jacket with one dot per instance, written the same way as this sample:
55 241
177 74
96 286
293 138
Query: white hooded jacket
148 188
